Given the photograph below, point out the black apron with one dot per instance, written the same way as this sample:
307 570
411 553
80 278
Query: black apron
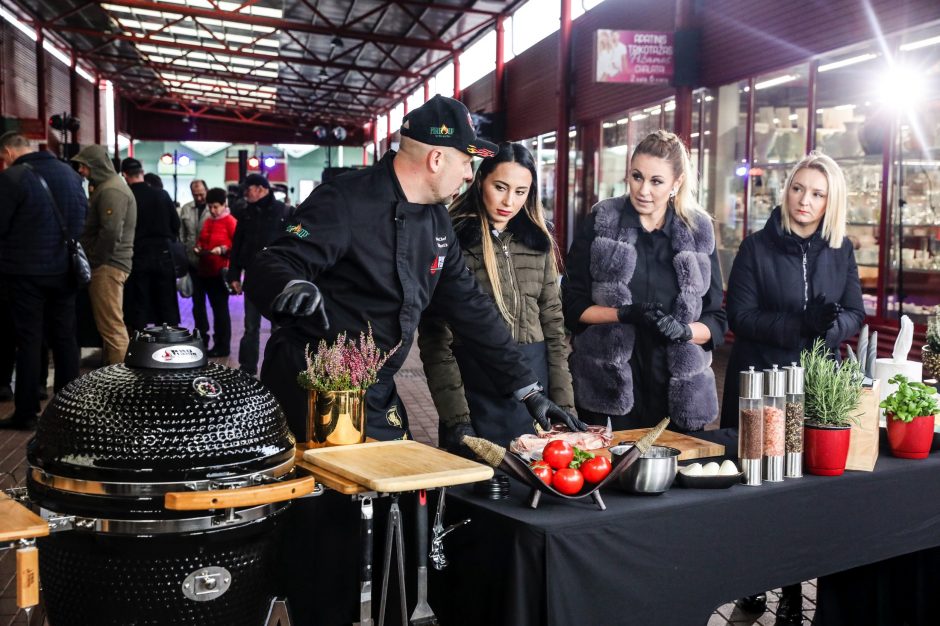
494 416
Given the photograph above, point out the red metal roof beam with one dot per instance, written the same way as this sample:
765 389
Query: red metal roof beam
280 24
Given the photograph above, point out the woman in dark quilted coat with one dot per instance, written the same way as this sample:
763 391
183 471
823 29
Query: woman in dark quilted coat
792 282
508 248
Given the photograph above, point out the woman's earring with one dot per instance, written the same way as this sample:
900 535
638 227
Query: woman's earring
672 194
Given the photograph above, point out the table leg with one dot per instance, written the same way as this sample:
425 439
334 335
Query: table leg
395 514
365 561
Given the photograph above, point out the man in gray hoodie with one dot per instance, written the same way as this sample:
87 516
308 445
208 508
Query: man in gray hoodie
108 240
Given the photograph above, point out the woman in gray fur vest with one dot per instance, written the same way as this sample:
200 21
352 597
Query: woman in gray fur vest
507 247
643 296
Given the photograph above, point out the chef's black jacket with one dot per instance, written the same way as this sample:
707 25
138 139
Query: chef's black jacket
376 258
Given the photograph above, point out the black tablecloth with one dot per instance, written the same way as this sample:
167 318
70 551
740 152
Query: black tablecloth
671 559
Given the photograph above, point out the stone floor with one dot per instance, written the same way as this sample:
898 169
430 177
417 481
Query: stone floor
414 391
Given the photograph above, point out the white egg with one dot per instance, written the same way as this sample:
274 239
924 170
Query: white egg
692 470
710 469
728 468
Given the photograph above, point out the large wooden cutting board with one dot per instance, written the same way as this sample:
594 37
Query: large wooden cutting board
691 447
393 466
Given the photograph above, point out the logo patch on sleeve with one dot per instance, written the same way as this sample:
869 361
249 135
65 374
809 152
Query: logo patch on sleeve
297 229
437 265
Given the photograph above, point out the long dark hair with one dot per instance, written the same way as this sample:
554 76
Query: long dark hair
469 206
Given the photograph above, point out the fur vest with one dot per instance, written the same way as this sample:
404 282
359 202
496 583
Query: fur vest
600 366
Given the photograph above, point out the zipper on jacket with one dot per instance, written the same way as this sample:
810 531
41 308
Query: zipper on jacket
512 280
805 278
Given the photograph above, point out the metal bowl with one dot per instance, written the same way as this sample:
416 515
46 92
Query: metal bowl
651 474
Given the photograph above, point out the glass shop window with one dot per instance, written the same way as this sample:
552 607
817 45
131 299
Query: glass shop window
614 157
727 169
781 101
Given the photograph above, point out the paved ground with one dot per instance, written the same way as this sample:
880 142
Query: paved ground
414 391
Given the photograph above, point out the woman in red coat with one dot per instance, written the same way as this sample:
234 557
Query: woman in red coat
213 247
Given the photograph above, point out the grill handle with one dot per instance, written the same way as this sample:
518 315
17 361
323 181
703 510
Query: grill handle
240 497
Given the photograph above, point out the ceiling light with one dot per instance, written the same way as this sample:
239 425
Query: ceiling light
184 160
269 162
773 82
846 62
336 42
323 73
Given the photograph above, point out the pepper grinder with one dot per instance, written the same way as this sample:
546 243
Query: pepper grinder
751 425
775 387
795 404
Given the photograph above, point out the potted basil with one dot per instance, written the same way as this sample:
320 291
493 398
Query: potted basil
832 394
910 412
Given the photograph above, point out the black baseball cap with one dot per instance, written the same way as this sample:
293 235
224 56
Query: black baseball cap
256 179
130 164
446 122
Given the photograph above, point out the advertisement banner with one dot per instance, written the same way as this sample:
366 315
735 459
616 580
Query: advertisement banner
630 56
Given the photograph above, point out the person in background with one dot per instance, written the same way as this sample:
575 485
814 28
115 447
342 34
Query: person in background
643 296
793 281
150 293
108 240
214 247
193 216
508 248
153 180
35 189
262 220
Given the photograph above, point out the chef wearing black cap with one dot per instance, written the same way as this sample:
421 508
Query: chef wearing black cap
377 246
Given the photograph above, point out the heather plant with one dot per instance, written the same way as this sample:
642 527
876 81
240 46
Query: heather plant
344 365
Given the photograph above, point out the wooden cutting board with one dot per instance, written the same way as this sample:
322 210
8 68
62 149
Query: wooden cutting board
18 522
393 466
691 447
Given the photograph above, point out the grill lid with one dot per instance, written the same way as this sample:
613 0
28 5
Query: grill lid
164 415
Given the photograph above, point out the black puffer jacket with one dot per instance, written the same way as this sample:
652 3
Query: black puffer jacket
767 292
258 225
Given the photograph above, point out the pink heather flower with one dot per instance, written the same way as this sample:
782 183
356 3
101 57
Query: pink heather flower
345 364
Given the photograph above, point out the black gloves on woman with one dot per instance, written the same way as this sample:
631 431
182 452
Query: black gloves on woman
544 411
819 316
639 313
651 314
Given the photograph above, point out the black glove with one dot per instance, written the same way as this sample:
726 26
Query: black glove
673 330
819 316
638 313
544 411
451 438
301 299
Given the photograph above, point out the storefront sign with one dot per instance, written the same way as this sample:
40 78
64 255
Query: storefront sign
630 56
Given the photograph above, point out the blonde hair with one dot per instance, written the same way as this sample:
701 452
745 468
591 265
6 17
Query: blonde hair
833 223
470 206
665 145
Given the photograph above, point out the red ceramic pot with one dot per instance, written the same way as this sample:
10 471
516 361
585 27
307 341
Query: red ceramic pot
825 449
910 440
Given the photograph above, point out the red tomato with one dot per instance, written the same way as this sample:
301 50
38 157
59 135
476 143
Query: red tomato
595 470
558 454
543 471
568 481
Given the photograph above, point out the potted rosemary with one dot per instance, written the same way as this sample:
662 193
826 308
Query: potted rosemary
832 395
930 353
336 378
910 412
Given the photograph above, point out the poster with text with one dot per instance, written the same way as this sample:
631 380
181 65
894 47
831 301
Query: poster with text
630 56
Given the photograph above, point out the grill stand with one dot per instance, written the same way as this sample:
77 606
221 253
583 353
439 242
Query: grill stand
278 614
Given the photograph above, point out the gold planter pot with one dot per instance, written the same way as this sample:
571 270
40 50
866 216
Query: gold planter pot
336 418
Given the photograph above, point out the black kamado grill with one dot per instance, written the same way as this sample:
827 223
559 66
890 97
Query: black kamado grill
170 474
